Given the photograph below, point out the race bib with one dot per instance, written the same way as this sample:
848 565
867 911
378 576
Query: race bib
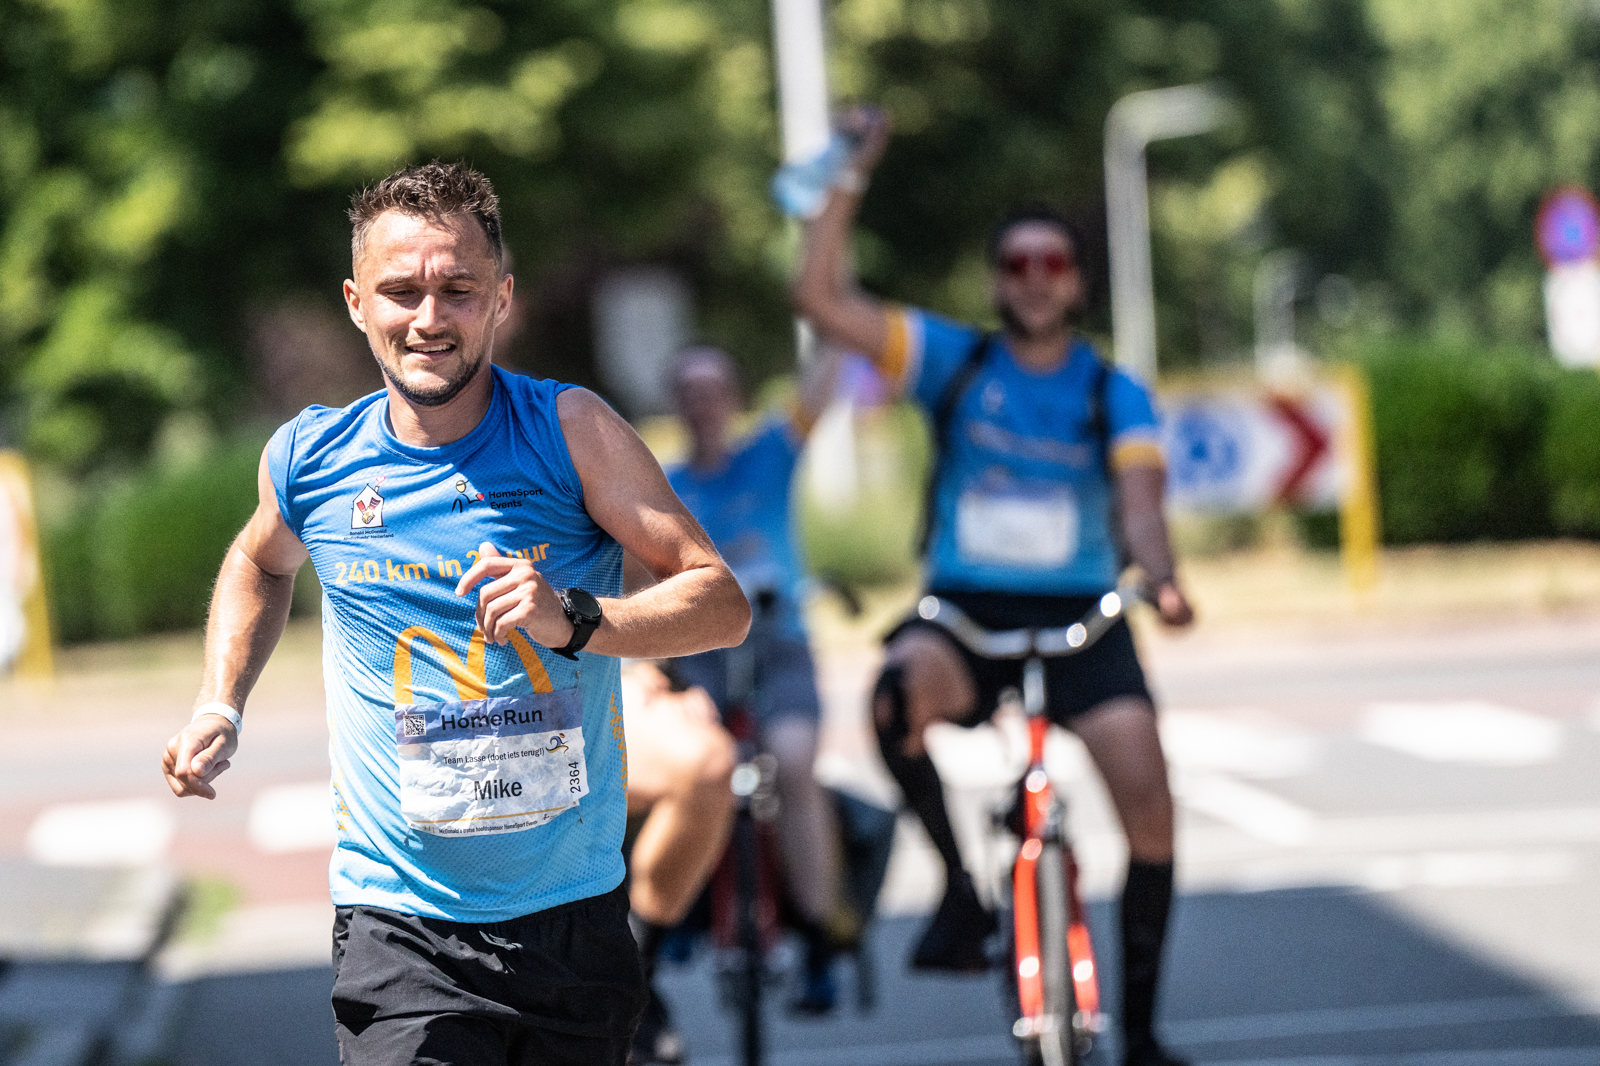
490 766
1036 530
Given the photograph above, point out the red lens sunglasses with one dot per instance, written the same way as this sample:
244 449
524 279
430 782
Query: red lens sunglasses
1052 264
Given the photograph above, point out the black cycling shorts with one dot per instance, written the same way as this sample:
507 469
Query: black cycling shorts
1108 669
559 987
785 681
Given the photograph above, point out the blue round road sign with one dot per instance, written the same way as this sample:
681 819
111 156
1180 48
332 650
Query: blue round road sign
1568 226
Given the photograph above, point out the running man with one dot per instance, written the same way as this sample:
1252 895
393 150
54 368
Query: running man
471 656
740 490
1043 446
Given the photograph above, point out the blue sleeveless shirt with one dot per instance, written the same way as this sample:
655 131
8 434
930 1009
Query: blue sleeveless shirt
471 782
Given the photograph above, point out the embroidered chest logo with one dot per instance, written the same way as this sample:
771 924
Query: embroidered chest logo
366 510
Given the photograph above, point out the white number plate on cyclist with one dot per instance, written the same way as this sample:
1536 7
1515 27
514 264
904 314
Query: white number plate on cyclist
490 766
1033 530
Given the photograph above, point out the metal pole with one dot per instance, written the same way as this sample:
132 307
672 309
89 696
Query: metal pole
802 78
801 46
1277 283
1133 122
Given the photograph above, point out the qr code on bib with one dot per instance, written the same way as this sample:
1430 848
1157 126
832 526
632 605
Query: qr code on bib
414 725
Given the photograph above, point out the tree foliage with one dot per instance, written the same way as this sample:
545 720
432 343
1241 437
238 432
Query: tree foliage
173 172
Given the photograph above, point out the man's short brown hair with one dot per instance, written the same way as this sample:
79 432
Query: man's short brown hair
432 190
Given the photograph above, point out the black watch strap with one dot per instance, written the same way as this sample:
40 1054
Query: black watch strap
583 611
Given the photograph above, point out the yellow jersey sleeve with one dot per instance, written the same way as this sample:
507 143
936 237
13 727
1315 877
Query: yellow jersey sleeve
1137 450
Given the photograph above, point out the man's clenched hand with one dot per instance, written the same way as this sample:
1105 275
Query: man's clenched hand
518 597
197 754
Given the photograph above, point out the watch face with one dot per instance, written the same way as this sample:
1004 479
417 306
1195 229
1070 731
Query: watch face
584 605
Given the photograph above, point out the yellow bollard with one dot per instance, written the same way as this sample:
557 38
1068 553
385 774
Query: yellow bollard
1358 502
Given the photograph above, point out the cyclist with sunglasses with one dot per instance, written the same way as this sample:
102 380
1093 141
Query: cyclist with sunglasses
1048 460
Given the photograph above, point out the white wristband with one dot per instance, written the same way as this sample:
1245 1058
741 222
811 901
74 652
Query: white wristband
222 710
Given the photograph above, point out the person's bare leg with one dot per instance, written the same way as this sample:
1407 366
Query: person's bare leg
938 686
807 829
926 680
679 764
1122 739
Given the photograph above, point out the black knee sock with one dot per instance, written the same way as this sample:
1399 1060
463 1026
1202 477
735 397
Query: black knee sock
916 777
1146 901
648 935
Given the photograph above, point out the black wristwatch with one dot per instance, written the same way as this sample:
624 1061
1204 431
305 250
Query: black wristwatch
583 611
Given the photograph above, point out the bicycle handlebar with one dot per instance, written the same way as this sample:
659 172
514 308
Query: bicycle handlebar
1024 643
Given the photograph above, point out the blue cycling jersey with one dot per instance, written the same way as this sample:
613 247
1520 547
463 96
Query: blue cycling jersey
1023 504
473 783
744 507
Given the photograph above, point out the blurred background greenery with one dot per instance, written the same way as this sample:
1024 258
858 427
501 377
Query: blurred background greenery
173 175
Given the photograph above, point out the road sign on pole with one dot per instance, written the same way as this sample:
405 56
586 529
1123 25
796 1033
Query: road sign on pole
1568 233
1241 446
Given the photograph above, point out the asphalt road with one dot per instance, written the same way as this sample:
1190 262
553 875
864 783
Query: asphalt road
1389 854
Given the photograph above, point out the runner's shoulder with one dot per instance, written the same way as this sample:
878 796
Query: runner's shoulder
317 428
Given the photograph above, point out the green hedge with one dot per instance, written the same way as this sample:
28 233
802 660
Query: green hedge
142 554
1463 436
1572 456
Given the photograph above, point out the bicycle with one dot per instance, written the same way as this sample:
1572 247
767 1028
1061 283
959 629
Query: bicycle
1053 972
745 905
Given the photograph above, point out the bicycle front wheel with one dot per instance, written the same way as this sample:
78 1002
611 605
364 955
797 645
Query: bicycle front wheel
1056 1043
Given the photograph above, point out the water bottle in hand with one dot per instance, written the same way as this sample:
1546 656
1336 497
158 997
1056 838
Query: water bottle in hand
802 188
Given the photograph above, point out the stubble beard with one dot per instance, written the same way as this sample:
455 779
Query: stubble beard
438 395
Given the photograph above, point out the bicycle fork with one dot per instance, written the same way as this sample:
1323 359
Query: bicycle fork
1043 816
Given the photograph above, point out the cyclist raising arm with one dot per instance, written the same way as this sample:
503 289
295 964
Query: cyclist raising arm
1041 446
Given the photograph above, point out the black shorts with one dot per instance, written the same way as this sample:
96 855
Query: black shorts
785 681
559 987
1074 683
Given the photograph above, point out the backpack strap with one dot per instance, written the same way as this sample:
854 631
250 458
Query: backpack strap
1100 433
943 415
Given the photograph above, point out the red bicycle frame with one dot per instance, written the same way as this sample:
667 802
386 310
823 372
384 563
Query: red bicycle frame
1041 817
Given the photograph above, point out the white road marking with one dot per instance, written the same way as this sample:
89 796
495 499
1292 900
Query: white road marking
288 818
1464 869
114 833
1254 810
1466 731
1199 741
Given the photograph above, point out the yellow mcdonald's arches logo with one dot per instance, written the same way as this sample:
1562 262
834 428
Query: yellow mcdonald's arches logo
470 680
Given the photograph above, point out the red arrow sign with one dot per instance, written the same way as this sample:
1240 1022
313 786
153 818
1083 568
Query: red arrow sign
1311 443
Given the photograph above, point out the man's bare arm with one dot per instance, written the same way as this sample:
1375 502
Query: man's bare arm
824 293
249 607
695 604
1141 491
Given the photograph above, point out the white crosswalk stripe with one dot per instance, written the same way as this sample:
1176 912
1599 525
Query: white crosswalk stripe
132 832
287 818
1464 731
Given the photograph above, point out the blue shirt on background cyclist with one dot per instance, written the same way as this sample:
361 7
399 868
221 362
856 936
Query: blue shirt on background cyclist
1047 460
740 491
